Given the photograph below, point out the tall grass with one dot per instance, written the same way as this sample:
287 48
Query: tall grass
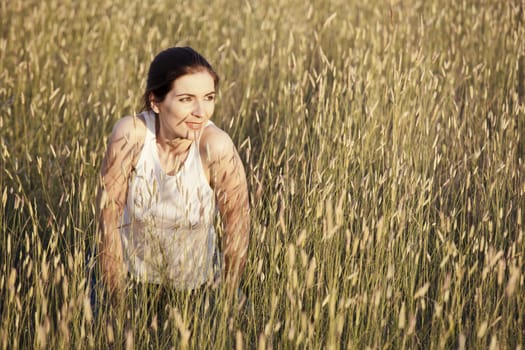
384 147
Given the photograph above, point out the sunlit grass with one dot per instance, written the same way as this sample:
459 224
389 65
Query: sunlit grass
383 143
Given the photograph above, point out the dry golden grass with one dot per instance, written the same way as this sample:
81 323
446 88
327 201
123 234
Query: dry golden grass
383 142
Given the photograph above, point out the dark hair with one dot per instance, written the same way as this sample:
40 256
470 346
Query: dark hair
169 65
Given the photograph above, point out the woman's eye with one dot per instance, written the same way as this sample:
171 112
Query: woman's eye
210 98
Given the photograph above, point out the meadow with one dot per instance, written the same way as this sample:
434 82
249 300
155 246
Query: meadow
383 143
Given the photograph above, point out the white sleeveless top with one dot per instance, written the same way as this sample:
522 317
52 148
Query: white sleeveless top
167 229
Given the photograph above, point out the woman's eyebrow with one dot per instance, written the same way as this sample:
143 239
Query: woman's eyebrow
188 94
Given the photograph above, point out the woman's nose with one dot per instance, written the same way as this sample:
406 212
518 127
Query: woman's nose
198 109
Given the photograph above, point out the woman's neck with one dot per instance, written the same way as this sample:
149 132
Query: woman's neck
174 145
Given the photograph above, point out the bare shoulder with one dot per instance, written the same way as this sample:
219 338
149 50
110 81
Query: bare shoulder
125 142
221 162
129 130
215 143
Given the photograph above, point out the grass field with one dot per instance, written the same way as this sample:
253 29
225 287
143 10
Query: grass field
383 143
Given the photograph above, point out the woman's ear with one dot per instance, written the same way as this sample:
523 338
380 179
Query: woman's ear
153 103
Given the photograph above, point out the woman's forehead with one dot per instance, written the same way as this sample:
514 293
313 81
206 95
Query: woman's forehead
194 83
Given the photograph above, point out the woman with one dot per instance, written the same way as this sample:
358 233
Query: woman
164 173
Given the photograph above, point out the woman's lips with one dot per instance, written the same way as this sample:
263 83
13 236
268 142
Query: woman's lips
193 126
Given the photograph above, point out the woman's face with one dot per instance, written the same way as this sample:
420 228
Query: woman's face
187 106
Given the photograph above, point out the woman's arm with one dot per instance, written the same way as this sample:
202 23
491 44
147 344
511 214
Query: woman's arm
227 177
123 146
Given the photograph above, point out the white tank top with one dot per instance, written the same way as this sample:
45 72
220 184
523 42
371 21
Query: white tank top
167 231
